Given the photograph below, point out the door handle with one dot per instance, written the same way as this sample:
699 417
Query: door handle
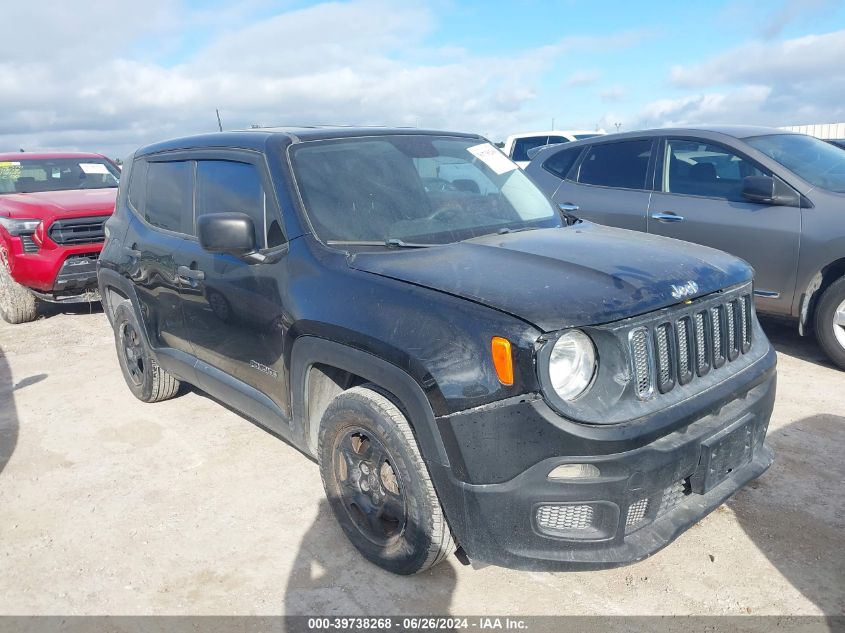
190 274
667 217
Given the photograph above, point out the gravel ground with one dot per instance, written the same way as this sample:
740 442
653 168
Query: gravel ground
112 506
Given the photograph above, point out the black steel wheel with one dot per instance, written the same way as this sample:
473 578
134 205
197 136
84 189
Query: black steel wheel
145 379
377 484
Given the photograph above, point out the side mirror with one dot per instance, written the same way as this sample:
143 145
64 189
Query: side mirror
768 190
231 233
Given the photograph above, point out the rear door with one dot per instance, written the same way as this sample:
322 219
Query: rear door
611 184
233 307
699 199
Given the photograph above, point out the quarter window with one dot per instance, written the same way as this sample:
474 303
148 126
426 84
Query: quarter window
227 186
560 163
623 164
698 168
169 203
522 145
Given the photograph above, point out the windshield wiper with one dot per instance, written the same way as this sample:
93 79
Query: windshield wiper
390 243
507 229
393 242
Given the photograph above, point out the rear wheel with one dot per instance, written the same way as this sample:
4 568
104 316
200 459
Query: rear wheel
17 303
145 379
830 322
377 484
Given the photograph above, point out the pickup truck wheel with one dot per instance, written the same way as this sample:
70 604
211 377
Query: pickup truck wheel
830 322
377 483
17 304
145 379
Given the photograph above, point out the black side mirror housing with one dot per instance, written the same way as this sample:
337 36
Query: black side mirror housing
769 190
231 233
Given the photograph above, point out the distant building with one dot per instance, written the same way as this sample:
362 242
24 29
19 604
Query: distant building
819 130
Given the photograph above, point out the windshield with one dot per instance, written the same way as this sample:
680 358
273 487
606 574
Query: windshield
817 162
417 189
30 175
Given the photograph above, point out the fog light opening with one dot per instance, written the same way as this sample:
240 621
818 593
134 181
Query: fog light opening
574 471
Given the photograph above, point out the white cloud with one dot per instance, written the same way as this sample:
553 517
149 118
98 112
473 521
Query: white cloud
117 76
613 94
793 81
581 78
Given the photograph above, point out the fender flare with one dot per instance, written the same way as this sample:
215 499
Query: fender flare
310 350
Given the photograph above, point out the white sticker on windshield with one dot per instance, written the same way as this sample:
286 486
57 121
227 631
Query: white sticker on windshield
493 158
93 168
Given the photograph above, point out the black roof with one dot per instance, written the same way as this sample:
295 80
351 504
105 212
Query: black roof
257 138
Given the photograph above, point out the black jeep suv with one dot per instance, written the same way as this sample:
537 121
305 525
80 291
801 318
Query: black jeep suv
473 371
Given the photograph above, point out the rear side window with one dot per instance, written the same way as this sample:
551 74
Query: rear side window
623 164
559 164
522 145
138 184
169 196
226 186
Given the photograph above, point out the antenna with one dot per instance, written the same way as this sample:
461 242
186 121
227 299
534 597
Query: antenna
219 124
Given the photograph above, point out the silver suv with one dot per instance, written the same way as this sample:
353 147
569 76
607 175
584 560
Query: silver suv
774 198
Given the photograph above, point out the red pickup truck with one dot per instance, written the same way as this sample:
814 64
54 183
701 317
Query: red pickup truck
53 207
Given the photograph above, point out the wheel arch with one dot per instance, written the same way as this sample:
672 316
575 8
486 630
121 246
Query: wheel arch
820 282
320 369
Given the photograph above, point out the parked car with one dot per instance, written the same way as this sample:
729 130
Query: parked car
468 370
52 210
517 146
772 197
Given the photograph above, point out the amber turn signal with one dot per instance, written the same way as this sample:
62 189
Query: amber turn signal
500 348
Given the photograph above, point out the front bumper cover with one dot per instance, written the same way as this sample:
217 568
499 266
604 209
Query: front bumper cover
497 522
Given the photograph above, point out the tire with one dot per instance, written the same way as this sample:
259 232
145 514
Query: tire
829 322
17 304
373 472
145 379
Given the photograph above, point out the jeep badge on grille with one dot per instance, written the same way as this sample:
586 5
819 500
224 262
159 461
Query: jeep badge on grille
686 290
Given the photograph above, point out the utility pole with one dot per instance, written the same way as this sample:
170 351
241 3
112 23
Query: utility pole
618 125
219 124
553 123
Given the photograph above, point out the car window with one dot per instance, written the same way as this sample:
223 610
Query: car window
169 196
623 164
557 139
420 189
227 186
35 175
699 168
138 184
560 163
817 162
522 145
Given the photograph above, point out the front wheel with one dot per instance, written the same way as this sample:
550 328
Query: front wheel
377 484
145 379
17 303
830 322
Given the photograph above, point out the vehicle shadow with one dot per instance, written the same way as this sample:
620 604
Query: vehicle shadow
46 309
8 413
786 339
329 577
795 513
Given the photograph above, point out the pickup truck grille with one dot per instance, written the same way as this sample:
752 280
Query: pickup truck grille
675 352
78 230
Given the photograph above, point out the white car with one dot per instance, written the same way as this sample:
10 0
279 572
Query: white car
517 145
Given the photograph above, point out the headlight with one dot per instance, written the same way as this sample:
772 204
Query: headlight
16 227
572 364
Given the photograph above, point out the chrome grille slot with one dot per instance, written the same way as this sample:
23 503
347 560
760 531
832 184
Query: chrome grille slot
716 316
684 351
745 323
730 327
664 353
641 357
702 347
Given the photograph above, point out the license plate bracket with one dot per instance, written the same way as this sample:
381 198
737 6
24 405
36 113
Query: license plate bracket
722 453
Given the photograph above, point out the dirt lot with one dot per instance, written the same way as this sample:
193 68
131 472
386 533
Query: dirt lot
111 506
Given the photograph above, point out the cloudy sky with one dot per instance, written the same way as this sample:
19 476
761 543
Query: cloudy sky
110 76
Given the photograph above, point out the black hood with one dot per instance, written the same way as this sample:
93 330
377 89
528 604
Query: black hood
563 277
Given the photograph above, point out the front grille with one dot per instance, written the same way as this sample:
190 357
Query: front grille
29 245
672 496
677 351
78 230
565 518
